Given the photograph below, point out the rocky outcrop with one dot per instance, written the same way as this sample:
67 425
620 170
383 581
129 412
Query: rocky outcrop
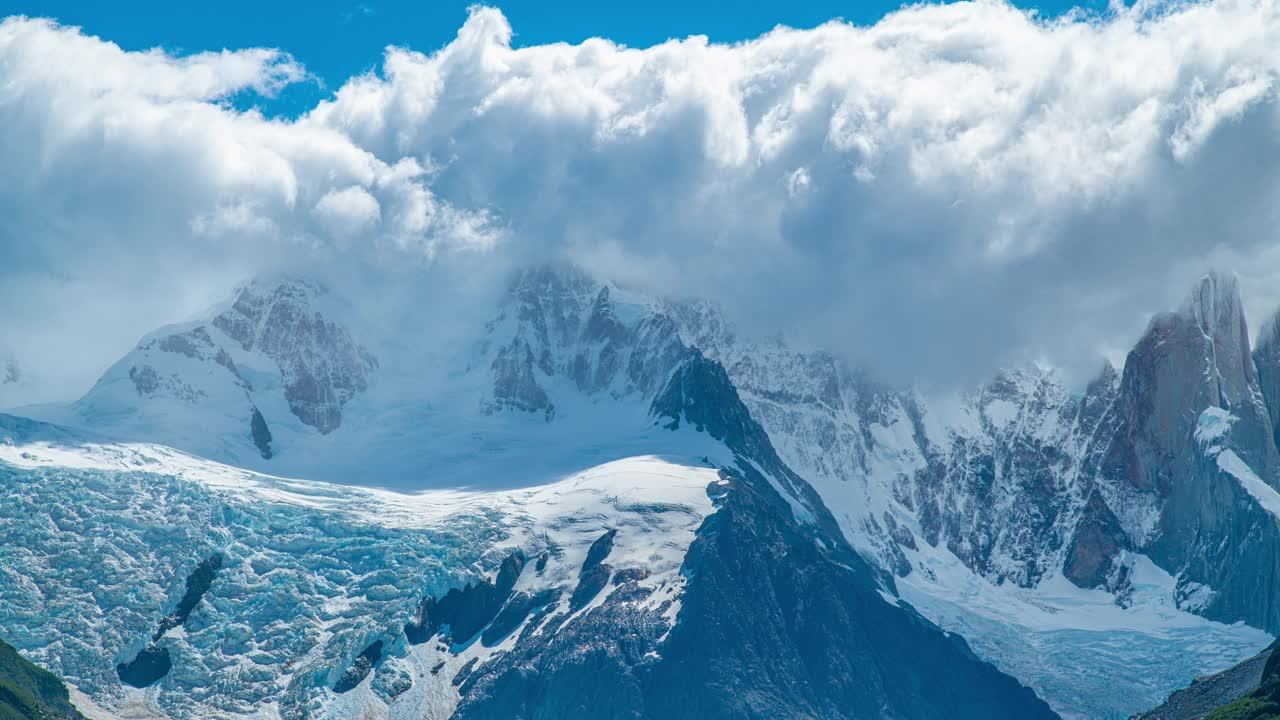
558 323
153 662
1209 532
260 433
1021 479
463 612
1093 556
322 367
594 574
1266 358
360 668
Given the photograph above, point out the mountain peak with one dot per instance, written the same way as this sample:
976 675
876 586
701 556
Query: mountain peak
1214 303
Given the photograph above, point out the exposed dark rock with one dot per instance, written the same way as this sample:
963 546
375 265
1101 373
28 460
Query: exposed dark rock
594 575
1211 532
590 583
198 583
699 393
321 365
146 668
1096 546
514 384
1266 357
145 379
599 550
360 668
514 612
629 575
261 434
198 345
463 612
779 618
153 662
464 672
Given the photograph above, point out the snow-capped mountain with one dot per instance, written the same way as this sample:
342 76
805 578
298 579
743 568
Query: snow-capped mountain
1080 541
1103 547
1058 503
596 527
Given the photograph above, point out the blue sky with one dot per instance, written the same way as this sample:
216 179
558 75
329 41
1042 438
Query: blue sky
336 39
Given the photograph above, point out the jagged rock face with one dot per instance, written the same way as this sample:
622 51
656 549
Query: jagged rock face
1005 487
322 367
780 618
1020 480
558 323
1024 480
1209 532
194 345
1096 547
1220 530
1008 495
275 365
1187 361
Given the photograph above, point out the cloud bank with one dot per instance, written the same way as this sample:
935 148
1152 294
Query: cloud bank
956 188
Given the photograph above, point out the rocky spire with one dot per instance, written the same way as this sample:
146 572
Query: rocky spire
1266 358
1214 306
1209 530
1187 361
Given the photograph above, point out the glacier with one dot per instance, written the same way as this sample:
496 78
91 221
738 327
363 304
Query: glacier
313 572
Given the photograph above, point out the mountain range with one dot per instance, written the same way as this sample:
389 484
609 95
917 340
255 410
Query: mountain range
606 504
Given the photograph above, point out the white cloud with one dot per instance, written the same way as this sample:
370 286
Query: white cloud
348 212
956 187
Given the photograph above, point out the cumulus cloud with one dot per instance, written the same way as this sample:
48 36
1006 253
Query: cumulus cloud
952 189
134 195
